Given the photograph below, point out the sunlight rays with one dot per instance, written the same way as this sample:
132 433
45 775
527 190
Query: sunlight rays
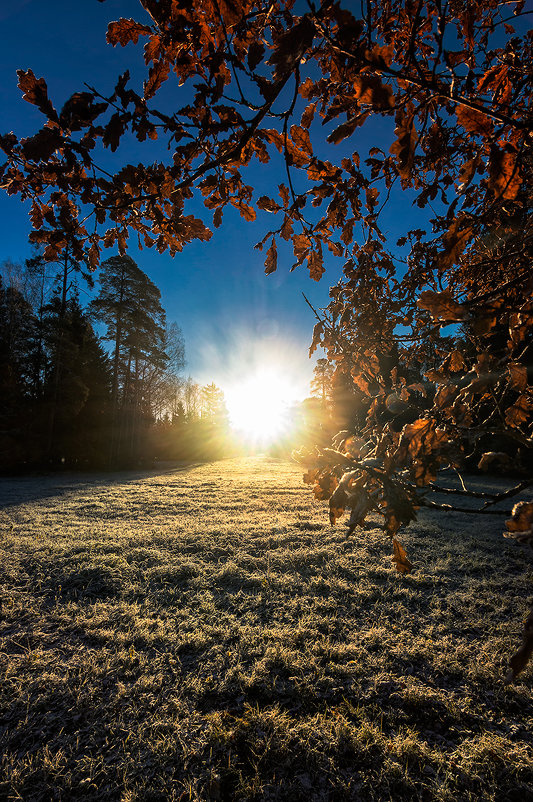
262 378
259 405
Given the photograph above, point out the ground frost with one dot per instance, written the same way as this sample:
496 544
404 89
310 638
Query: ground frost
196 633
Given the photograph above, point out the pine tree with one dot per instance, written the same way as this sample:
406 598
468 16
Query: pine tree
321 381
129 304
81 396
18 338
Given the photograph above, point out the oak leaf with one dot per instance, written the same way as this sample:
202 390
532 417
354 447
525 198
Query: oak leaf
380 56
518 375
94 256
346 129
318 331
232 11
271 261
519 412
369 89
454 242
520 524
400 559
217 217
455 361
467 172
248 212
404 146
291 46
41 146
310 476
325 486
124 31
441 305
504 179
158 73
8 142
80 111
268 204
445 396
36 92
114 130
337 503
315 264
474 121
308 114
300 137
360 505
496 80
494 459
521 517
255 54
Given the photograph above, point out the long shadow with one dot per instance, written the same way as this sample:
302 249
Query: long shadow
16 490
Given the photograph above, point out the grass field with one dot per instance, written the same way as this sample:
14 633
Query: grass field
202 633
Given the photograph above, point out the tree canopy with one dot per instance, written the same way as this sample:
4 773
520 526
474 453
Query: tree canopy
444 92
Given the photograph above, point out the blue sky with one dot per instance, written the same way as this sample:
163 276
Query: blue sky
233 317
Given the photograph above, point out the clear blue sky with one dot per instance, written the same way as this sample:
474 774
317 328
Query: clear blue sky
230 313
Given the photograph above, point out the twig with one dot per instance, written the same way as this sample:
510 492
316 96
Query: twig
470 511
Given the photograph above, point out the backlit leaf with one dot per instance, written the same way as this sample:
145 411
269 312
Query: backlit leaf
504 175
519 412
271 261
315 265
474 121
518 375
308 114
400 559
441 306
158 73
124 31
300 137
36 92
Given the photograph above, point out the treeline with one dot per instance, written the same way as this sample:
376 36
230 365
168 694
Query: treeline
72 398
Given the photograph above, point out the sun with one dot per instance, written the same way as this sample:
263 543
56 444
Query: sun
259 406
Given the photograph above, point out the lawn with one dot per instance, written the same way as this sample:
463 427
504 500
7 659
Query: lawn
202 633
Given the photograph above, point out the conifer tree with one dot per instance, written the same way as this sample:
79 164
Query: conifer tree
129 304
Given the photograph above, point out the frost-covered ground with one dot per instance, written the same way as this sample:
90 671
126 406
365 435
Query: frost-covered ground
203 633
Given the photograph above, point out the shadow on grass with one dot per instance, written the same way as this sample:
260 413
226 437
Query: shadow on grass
17 490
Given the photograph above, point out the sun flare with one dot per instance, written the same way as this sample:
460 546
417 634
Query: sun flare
259 406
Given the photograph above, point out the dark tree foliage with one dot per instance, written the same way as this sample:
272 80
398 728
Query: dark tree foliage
321 383
57 402
81 397
18 354
450 85
129 304
31 386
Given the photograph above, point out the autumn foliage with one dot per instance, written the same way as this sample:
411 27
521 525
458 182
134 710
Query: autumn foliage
257 83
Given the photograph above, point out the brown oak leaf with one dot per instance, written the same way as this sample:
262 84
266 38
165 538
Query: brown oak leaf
400 559
124 31
271 261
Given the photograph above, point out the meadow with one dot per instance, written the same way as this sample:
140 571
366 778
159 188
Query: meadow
202 633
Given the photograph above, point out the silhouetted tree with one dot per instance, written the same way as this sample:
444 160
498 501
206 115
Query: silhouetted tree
82 395
129 304
18 349
321 381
